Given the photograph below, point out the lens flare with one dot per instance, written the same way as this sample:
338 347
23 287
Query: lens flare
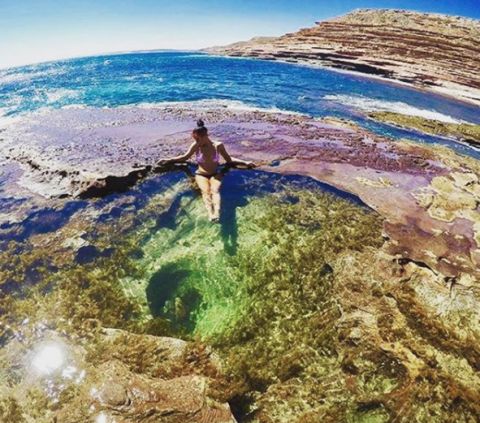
48 358
101 418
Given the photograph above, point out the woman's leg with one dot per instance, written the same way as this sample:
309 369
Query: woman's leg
215 184
204 185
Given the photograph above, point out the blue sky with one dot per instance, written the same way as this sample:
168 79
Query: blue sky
38 30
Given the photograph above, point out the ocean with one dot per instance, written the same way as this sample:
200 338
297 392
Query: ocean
157 77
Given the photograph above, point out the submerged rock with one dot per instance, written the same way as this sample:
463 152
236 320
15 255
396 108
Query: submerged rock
125 378
128 397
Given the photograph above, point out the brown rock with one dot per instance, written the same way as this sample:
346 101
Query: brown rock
128 397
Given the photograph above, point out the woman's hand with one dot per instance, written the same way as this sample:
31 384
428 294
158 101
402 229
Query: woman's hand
164 162
242 163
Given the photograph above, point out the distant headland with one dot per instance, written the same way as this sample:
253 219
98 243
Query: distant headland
427 50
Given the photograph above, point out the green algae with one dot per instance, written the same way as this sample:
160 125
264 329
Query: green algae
276 291
80 294
462 131
10 410
192 279
378 415
292 298
287 330
187 274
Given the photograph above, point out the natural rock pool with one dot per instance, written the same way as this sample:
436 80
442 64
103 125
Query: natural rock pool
148 261
355 301
291 325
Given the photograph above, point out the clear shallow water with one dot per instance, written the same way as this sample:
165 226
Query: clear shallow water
146 260
239 187
138 78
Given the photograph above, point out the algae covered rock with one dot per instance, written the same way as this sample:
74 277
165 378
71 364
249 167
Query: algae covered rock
128 397
466 132
116 376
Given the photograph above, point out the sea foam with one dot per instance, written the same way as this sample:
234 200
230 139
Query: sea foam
59 94
223 103
375 105
29 73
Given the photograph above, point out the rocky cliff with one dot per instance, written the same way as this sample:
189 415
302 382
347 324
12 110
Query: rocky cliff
433 51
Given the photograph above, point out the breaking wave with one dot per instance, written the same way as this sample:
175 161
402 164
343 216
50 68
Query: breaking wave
374 105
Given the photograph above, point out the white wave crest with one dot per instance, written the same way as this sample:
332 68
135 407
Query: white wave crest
61 94
194 104
374 105
21 75
215 103
5 120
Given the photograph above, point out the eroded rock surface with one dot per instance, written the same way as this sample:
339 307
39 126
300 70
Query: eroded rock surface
91 152
433 51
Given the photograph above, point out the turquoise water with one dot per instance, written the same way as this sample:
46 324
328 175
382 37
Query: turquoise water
138 78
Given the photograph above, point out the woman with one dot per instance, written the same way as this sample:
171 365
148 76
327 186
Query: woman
208 175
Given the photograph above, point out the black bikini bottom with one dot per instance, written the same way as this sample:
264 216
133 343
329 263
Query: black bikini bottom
220 171
208 175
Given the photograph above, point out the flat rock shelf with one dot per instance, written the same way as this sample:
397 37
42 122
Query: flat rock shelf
341 283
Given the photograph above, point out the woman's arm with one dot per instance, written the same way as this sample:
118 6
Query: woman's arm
233 160
182 158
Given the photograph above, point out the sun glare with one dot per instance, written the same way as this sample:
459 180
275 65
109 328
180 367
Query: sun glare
48 358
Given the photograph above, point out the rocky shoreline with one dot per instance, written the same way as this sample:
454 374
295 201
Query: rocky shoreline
462 132
429 51
410 185
394 317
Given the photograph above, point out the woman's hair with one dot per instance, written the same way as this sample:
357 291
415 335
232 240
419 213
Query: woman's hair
201 129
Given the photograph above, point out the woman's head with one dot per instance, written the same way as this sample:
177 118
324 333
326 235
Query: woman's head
200 131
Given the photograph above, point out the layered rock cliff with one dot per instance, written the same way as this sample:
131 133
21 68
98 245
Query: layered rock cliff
433 51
